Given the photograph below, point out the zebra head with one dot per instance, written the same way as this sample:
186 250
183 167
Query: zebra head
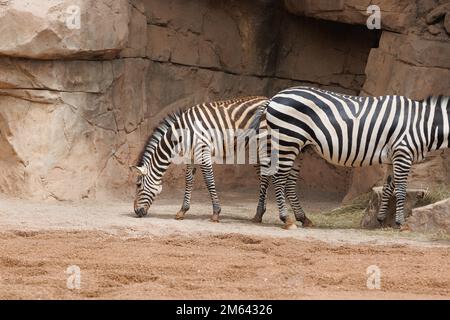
147 188
154 160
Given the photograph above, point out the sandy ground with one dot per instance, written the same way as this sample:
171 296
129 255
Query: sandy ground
121 256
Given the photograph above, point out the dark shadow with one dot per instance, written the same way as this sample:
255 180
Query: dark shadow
224 219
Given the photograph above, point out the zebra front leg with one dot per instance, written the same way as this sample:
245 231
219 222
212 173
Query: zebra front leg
402 165
189 180
208 176
291 192
279 182
388 191
263 184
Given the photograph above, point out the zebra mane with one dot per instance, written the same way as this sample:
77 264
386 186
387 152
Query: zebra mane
157 134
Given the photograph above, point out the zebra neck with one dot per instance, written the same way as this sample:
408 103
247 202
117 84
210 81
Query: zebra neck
159 155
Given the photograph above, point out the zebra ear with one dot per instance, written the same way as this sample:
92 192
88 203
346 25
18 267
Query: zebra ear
142 171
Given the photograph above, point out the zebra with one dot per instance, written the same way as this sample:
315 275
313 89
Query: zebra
356 131
212 126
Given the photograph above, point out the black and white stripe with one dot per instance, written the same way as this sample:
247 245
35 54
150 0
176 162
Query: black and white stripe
201 134
356 131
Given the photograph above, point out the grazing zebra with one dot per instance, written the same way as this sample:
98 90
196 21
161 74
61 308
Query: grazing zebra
356 131
199 134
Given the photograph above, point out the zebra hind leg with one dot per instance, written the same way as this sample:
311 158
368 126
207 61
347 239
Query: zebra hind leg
388 191
291 192
401 171
263 185
208 176
279 181
189 180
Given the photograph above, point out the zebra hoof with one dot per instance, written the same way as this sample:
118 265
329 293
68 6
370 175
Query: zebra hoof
289 225
307 223
400 226
405 228
179 215
256 219
380 221
215 218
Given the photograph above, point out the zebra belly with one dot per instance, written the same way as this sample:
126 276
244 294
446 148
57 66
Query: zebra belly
385 159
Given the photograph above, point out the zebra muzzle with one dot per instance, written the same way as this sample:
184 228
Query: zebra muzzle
140 212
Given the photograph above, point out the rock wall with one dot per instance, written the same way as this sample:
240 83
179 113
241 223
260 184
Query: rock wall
414 63
412 59
79 94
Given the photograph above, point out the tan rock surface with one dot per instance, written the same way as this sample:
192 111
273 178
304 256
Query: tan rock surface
234 36
416 67
437 13
137 36
72 145
397 15
56 75
432 218
46 29
408 65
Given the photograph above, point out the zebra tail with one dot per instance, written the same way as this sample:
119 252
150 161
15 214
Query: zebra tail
254 124
253 129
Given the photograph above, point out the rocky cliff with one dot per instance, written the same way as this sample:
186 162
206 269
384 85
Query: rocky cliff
83 82
412 59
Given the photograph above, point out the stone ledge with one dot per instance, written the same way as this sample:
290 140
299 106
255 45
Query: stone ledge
408 65
432 218
38 29
396 15
417 51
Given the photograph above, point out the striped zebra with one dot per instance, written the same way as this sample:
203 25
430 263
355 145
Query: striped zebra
356 131
201 134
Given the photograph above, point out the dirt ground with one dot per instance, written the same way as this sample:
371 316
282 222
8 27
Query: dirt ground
157 257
